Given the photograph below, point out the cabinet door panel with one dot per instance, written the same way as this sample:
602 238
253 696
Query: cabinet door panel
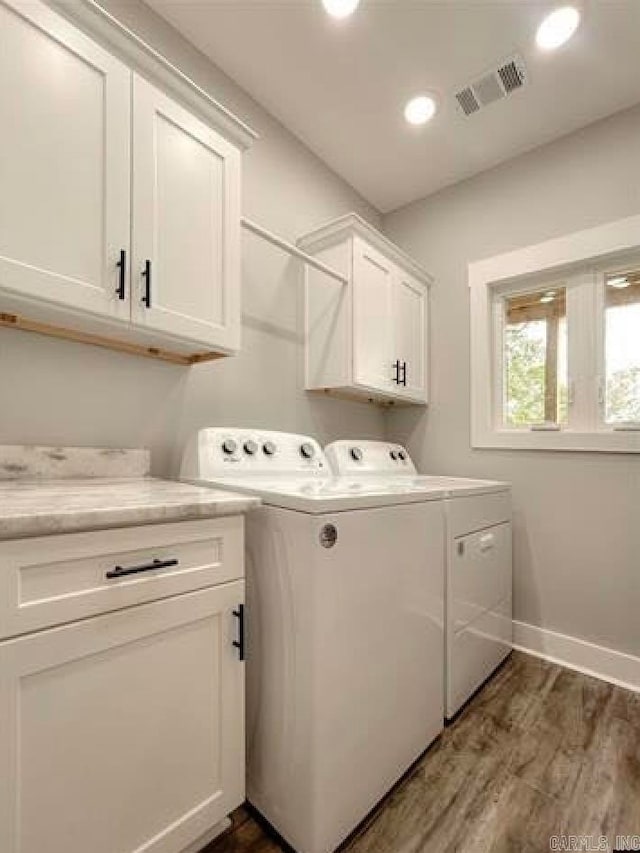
372 297
123 732
410 305
64 162
186 221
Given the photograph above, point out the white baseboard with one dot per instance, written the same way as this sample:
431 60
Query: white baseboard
600 662
208 836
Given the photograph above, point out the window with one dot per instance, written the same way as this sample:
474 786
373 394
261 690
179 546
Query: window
555 342
622 347
534 352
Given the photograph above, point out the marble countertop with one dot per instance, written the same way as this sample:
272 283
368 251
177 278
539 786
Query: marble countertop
38 507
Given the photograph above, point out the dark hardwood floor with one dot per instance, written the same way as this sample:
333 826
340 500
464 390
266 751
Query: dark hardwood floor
539 751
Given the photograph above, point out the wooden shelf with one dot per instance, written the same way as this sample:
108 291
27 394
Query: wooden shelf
17 321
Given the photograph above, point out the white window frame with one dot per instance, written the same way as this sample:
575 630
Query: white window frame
564 259
600 271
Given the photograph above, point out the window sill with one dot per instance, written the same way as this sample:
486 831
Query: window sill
598 442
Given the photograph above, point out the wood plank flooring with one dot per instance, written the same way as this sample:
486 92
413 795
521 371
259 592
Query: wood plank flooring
539 751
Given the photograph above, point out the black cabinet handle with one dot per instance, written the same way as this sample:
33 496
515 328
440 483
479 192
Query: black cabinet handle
239 643
122 266
404 373
146 275
120 571
396 367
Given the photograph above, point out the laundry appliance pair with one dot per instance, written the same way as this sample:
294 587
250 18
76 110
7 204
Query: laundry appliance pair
378 600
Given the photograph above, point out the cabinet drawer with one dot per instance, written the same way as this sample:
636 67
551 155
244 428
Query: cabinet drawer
49 580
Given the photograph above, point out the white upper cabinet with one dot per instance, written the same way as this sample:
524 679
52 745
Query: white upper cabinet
373 291
186 223
368 338
64 162
409 334
120 208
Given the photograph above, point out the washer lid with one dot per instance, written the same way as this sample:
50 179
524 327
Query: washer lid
331 494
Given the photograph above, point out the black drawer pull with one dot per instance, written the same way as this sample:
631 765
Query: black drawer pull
146 275
121 571
239 643
404 373
122 266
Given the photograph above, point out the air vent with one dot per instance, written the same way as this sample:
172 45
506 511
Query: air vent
512 74
468 101
494 85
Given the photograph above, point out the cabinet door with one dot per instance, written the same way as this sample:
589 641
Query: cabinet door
186 223
64 162
373 277
409 334
124 732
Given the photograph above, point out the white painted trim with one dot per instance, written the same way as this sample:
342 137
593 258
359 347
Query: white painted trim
598 661
350 225
209 836
579 247
137 54
557 255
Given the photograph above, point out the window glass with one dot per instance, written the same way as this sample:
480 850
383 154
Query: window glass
535 358
622 347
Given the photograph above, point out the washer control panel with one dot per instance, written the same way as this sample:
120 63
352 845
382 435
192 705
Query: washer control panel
218 450
375 457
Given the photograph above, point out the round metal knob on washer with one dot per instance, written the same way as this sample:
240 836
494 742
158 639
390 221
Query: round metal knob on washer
269 448
307 450
250 447
402 455
356 454
229 446
394 455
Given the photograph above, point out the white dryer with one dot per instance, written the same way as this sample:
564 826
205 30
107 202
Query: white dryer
344 630
478 582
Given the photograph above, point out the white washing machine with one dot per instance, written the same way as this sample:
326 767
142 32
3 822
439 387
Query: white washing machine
344 630
478 580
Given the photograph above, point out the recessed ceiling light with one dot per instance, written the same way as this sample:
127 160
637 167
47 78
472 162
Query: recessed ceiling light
340 8
619 282
420 109
557 27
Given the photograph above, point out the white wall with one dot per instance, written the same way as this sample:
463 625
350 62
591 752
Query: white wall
577 516
64 393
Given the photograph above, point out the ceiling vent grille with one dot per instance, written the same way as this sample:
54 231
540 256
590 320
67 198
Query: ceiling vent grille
468 101
512 74
493 86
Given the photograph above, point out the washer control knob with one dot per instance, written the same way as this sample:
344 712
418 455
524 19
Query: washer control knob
394 455
402 455
307 450
250 447
268 448
229 446
356 454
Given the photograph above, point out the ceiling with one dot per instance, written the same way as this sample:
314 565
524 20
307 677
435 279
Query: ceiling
340 86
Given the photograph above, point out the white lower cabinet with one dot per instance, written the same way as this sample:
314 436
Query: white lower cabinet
124 732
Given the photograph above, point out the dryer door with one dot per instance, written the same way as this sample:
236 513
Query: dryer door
480 574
